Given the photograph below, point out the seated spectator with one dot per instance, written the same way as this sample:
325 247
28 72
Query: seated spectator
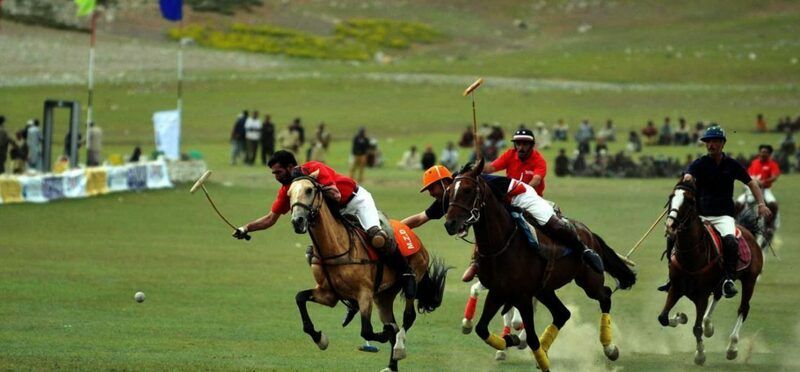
579 165
449 157
682 133
634 142
410 160
650 132
428 158
562 163
467 138
666 133
584 135
788 145
784 124
497 138
609 132
761 124
699 130
560 131
374 154
542 136
600 145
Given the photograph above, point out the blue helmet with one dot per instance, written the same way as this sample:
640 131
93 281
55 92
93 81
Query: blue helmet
714 132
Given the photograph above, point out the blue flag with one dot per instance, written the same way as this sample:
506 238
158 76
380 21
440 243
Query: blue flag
172 9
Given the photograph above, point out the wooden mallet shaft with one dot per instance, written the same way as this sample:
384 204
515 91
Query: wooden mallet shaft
200 184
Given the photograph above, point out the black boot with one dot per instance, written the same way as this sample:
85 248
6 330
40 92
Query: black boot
730 256
558 229
668 253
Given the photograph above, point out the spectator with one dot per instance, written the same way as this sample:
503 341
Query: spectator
410 159
560 131
784 124
542 136
252 134
761 124
666 133
699 129
297 126
267 139
449 157
374 154
5 140
19 151
68 143
136 155
609 132
579 165
650 132
682 133
788 145
634 142
428 158
361 146
496 138
562 163
485 131
584 134
95 145
289 139
600 145
237 136
467 138
320 143
33 138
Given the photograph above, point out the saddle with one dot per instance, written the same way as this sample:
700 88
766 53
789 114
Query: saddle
527 224
744 249
400 236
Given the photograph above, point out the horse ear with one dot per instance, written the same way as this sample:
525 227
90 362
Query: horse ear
479 168
314 174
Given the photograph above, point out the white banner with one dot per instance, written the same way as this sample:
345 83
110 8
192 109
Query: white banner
167 125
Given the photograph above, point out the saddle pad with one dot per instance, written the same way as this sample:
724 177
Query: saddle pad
525 222
407 241
744 249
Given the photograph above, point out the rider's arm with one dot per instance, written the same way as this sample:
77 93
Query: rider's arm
263 222
539 169
416 220
489 168
327 178
536 180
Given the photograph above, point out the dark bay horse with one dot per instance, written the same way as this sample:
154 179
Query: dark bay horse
344 271
696 271
514 273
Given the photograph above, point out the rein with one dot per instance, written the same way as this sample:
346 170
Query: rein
475 215
689 217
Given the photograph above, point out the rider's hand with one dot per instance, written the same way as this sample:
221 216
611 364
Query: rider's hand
241 233
764 211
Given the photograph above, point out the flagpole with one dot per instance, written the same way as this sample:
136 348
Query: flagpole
180 70
91 80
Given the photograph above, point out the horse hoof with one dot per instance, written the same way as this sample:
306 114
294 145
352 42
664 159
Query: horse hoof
708 329
699 358
683 318
466 326
500 355
386 370
398 354
732 354
323 341
611 352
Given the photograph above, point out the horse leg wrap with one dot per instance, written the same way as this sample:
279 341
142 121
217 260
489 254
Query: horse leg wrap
549 335
496 342
605 329
541 359
469 311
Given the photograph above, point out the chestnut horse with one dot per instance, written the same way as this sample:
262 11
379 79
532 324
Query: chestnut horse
344 271
696 271
515 273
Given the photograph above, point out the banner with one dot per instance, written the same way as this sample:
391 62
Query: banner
96 181
85 7
167 125
171 9
10 190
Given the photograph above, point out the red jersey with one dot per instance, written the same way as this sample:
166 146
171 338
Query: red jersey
326 177
523 170
763 170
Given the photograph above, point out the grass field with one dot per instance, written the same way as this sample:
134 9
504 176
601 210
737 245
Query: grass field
69 269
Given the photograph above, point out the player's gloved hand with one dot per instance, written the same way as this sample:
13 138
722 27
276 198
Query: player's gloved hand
241 233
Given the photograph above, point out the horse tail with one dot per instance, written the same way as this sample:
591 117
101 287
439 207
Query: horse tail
430 290
615 266
748 218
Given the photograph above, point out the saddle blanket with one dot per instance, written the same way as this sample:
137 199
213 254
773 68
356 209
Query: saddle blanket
404 239
744 250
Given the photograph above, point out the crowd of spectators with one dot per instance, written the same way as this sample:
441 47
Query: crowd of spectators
254 138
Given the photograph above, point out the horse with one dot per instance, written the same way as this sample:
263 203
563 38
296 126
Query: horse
746 203
514 273
512 321
695 270
344 271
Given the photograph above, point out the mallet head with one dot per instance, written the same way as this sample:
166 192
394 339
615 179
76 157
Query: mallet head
472 87
200 182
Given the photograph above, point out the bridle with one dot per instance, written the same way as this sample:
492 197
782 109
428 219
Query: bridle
684 222
313 207
477 202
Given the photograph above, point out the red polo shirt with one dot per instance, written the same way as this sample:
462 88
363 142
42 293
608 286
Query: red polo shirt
326 177
523 170
764 170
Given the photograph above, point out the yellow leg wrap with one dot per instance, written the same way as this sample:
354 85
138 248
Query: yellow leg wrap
541 359
549 335
496 342
605 329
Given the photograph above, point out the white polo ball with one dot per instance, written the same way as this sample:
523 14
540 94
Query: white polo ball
139 297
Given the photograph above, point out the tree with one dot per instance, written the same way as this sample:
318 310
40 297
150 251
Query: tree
227 7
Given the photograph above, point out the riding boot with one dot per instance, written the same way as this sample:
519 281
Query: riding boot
558 229
377 237
670 244
472 269
730 256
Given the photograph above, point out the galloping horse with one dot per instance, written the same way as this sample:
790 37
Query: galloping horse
695 270
514 273
344 271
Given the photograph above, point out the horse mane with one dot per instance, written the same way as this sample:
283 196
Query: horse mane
333 206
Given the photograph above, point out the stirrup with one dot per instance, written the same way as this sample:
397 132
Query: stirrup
593 260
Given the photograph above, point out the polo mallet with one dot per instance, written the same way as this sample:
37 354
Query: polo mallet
200 184
470 90
635 246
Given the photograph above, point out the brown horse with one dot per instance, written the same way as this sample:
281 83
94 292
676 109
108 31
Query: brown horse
696 271
344 271
514 273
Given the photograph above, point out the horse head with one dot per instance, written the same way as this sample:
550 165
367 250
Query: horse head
466 199
682 207
305 197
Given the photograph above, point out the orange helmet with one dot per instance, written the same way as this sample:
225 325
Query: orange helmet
434 174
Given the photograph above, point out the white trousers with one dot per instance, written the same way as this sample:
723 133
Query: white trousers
726 225
747 197
530 201
363 207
